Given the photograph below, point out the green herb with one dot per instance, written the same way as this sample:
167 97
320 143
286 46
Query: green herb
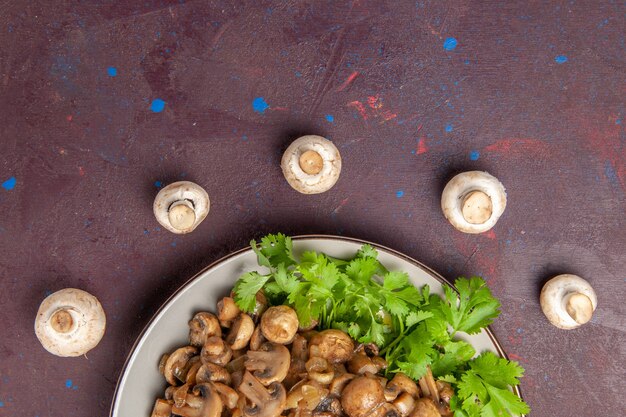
413 328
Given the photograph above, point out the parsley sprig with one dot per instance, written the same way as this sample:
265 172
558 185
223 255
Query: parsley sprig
413 328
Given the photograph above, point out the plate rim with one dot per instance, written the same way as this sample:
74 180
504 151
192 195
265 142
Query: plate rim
442 280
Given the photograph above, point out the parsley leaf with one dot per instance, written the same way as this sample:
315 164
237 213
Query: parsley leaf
472 309
246 288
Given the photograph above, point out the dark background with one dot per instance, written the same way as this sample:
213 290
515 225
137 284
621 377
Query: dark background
533 93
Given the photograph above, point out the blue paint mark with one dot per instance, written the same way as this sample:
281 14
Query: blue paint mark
603 23
157 105
618 121
68 383
560 59
244 138
9 184
449 44
449 128
474 155
158 184
1 404
610 174
330 118
466 62
520 330
146 232
173 244
112 71
260 105
74 387
298 74
399 193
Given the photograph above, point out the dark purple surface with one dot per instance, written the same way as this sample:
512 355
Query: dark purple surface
532 93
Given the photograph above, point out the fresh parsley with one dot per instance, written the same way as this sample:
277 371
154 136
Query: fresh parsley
414 330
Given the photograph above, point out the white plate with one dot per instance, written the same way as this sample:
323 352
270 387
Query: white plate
140 383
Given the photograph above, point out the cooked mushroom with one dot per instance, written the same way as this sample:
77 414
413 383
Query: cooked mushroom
216 351
202 326
227 311
362 395
445 391
312 395
361 363
209 372
162 408
339 383
428 385
240 332
270 363
70 322
401 383
404 403
568 301
473 201
204 402
257 339
176 366
311 164
181 206
425 407
329 404
228 395
333 345
299 356
266 402
279 324
320 370
385 410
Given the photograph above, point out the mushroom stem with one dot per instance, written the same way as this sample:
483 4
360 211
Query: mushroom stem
181 214
62 321
311 162
428 385
579 307
477 207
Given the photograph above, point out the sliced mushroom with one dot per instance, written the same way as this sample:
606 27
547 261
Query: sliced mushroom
194 365
181 206
428 385
312 395
568 301
333 345
339 383
240 332
257 339
445 391
299 356
202 326
70 322
169 392
404 404
209 372
320 370
361 363
227 311
473 201
362 395
216 351
425 407
269 364
162 408
203 402
329 404
229 396
266 402
311 164
176 366
401 383
385 410
279 324
179 395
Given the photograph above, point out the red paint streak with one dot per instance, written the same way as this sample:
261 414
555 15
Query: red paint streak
491 234
421 146
515 357
517 146
387 115
69 117
360 108
348 81
340 206
81 171
374 102
608 147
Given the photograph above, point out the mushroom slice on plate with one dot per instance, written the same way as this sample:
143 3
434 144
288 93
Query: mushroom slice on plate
311 164
162 408
568 301
203 402
181 206
216 351
177 364
473 201
266 402
70 322
279 324
270 363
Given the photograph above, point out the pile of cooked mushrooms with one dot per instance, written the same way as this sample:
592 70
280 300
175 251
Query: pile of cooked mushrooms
265 364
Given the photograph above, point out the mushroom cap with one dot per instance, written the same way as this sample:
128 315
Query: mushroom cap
362 395
181 206
333 345
473 201
82 327
305 152
565 291
240 332
202 326
279 324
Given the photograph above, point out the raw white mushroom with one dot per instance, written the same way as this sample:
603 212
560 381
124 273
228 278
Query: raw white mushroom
473 201
70 322
311 164
181 206
568 301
